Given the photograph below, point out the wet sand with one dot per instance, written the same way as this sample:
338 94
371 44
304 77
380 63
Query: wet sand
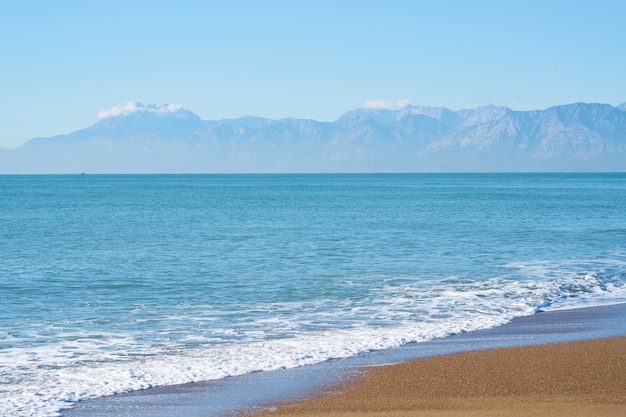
585 378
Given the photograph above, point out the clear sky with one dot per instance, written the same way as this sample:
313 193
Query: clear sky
65 61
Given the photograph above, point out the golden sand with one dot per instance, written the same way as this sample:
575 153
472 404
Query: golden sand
571 379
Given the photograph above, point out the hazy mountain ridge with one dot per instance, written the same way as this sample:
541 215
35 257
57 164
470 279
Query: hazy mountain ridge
573 137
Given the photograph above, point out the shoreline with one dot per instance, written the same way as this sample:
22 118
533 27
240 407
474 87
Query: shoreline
249 393
565 379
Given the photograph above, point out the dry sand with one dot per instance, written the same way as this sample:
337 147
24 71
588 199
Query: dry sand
572 379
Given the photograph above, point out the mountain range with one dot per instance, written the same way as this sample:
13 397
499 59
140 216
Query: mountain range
579 137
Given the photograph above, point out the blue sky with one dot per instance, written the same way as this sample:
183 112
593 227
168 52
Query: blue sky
66 61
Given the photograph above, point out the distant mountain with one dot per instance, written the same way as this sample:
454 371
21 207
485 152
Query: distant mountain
158 139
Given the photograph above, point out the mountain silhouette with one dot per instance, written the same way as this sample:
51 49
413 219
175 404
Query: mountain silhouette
154 139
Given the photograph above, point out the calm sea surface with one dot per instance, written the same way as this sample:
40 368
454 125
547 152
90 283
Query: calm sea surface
116 283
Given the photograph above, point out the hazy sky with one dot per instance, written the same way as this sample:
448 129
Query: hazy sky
65 61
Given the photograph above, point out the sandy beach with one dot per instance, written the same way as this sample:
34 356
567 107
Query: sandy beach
586 378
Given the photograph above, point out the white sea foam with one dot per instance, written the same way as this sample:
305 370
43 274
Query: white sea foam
39 381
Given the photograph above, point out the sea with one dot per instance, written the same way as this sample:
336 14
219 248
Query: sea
115 283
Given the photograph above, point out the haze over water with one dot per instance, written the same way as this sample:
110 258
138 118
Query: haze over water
114 283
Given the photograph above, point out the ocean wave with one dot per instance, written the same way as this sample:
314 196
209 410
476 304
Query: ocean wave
402 310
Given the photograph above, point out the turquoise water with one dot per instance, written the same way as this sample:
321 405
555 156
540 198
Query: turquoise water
116 283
